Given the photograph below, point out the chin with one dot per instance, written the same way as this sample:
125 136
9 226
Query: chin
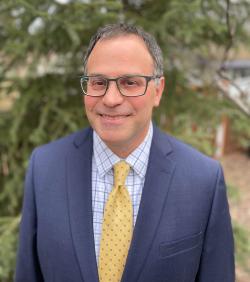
111 138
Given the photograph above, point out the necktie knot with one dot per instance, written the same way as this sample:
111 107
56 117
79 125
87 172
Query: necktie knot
121 170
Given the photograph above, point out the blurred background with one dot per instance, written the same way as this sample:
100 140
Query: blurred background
206 102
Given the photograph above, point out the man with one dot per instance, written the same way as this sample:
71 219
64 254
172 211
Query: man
165 219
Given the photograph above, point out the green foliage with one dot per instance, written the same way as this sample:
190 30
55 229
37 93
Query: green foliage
233 193
242 245
8 246
42 45
240 128
241 234
196 119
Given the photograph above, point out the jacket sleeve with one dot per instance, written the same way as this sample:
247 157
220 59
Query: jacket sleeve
217 260
27 267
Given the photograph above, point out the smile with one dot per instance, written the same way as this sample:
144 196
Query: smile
113 120
116 117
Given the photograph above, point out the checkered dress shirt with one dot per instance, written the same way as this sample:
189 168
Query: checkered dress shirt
102 178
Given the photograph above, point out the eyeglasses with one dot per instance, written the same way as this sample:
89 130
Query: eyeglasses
129 85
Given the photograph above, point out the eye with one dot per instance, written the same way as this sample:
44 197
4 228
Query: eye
129 82
97 82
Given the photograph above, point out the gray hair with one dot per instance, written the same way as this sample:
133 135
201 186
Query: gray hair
119 29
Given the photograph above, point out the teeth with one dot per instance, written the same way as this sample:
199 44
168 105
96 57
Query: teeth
113 117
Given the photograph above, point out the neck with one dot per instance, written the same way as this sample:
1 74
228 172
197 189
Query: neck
123 150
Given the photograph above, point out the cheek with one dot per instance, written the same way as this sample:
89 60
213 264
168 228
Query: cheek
143 104
89 103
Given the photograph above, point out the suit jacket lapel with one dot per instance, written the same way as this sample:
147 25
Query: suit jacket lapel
154 195
79 167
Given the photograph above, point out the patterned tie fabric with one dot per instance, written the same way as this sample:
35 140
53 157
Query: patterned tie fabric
117 228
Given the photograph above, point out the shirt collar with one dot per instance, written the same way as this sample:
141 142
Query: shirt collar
138 160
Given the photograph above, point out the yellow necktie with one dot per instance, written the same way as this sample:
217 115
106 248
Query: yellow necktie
117 228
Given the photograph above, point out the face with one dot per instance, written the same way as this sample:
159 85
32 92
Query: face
122 122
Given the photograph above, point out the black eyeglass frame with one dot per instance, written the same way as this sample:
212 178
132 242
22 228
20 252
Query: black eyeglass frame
147 78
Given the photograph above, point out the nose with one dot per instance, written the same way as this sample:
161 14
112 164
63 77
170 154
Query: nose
113 97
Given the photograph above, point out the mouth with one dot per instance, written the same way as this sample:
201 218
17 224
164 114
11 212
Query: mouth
113 117
110 120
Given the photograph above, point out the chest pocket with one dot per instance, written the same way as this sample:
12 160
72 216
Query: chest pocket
168 249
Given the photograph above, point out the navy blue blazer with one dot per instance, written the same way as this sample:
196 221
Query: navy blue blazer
183 230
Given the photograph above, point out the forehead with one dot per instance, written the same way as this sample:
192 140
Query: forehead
121 54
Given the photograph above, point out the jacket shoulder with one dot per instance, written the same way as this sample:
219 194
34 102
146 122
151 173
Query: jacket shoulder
63 145
185 155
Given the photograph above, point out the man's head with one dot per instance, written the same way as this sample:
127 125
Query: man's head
116 30
121 115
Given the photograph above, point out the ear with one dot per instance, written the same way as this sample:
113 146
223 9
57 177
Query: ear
159 88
